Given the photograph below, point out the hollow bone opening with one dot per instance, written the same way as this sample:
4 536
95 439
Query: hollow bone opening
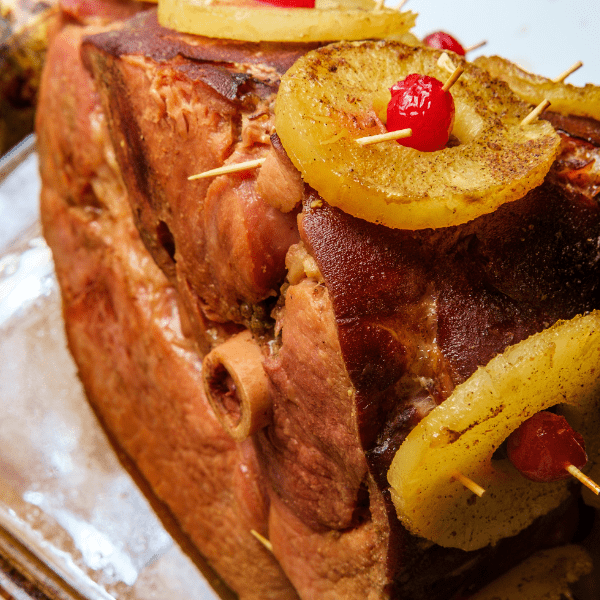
237 386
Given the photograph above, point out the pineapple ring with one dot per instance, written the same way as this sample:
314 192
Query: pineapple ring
558 366
565 98
333 94
255 22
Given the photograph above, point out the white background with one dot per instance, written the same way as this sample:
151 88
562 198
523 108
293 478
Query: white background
543 36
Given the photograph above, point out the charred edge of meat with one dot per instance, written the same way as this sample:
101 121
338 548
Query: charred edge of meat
162 44
228 82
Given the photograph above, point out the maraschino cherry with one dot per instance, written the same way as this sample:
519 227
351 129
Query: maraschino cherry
444 41
544 446
420 103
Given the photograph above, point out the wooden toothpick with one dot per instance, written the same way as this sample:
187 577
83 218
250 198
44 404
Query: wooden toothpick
536 112
475 46
568 72
383 137
233 168
589 483
453 78
263 540
469 484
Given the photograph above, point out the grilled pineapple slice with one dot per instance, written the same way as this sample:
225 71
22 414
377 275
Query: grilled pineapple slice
332 95
329 20
564 97
559 366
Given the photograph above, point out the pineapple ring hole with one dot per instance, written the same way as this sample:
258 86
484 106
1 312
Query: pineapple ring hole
468 125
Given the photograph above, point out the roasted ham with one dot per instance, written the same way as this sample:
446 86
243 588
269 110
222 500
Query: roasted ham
362 329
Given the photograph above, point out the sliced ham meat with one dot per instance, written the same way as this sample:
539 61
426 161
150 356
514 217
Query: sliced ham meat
177 106
107 11
363 329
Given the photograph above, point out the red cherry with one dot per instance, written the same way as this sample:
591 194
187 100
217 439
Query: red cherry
290 3
444 41
544 445
419 103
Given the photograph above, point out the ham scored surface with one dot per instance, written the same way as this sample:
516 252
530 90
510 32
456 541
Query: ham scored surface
364 329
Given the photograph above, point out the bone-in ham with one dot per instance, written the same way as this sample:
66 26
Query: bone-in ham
373 328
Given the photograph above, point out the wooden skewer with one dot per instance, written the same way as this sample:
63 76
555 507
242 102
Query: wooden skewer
234 168
263 540
536 112
384 137
568 72
475 46
469 484
453 78
589 483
